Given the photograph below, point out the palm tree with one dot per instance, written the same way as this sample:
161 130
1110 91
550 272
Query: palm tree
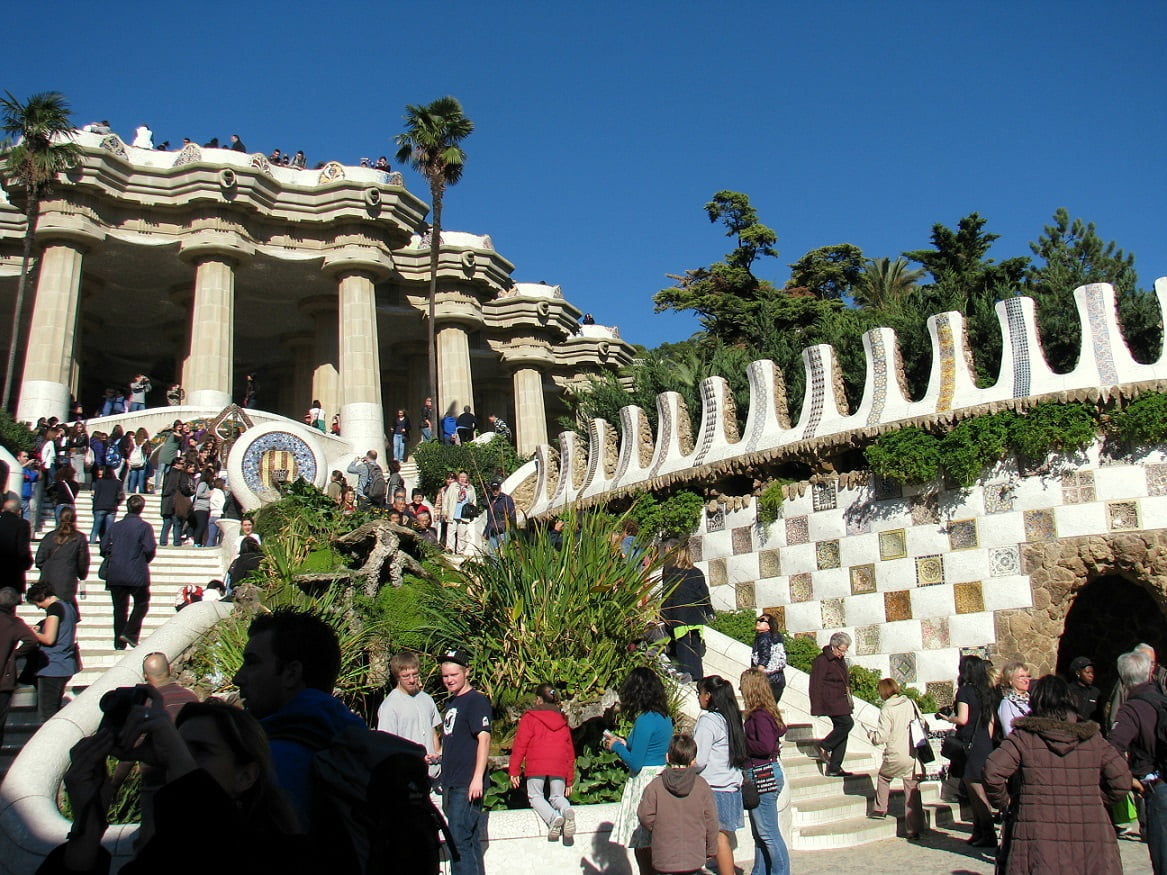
37 146
885 283
430 145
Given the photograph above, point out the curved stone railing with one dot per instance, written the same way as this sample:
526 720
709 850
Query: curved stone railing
676 455
30 823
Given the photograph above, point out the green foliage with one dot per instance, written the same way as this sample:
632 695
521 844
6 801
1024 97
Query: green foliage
909 455
829 272
534 614
885 283
801 652
975 443
770 502
480 460
599 777
1143 421
1051 426
674 516
738 625
126 805
14 435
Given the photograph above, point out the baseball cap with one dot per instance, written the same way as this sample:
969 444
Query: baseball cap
1079 663
460 657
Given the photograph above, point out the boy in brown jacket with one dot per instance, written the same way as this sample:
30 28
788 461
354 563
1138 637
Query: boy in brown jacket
678 809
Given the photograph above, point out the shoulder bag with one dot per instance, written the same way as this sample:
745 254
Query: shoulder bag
918 738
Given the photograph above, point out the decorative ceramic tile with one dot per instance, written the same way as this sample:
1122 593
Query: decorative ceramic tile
801 587
824 496
925 509
778 613
718 575
1156 479
808 636
715 522
1019 344
893 544
745 596
885 489
769 563
998 497
1097 316
1124 515
816 379
897 605
929 570
695 546
797 530
1039 525
866 640
1078 487
968 597
827 553
947 350
903 668
981 651
834 616
962 535
743 540
934 632
942 692
879 375
1004 561
862 579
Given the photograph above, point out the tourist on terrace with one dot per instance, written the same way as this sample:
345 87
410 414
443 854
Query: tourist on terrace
56 634
769 653
686 608
426 419
275 157
299 161
382 164
895 716
467 425
1086 695
63 558
236 144
108 495
721 753
450 428
143 138
401 430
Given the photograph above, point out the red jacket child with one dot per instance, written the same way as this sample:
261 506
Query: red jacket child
544 741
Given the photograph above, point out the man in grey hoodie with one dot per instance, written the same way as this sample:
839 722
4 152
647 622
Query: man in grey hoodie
678 809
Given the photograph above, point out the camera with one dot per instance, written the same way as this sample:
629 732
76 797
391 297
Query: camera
117 704
946 711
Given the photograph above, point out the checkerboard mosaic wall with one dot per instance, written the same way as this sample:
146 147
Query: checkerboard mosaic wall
916 575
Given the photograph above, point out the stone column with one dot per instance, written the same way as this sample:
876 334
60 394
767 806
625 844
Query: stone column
362 418
455 382
179 334
302 347
530 425
325 355
48 360
210 370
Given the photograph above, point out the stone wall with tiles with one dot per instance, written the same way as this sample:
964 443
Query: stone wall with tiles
919 576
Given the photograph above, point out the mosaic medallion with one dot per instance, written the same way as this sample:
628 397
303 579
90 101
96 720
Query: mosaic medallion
827 554
824 496
1156 479
969 597
998 497
962 534
1124 515
744 596
942 692
866 640
897 605
934 633
797 530
718 576
862 579
801 587
925 509
903 668
769 563
1004 561
929 570
833 614
1039 525
277 458
743 540
893 544
1078 487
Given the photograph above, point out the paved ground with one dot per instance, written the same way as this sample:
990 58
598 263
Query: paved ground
940 853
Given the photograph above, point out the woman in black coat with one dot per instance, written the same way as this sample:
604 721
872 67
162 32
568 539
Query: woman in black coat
686 607
63 558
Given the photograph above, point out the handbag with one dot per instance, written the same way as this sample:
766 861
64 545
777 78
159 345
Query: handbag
751 798
103 569
765 779
956 751
918 738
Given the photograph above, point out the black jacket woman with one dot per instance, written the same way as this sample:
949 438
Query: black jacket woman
975 717
63 558
686 607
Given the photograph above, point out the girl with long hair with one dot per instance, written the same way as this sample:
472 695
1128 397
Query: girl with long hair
769 653
642 696
975 719
893 732
764 728
721 753
63 558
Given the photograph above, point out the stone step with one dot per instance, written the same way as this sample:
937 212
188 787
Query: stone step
844 833
829 809
820 787
802 767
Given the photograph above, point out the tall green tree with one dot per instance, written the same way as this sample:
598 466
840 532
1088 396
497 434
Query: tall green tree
885 283
726 295
431 145
1071 254
35 149
829 272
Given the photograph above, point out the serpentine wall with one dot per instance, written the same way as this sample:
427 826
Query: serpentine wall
916 575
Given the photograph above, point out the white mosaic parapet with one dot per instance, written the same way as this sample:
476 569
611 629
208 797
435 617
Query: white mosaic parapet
1104 362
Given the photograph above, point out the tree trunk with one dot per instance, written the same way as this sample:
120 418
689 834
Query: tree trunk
22 284
436 191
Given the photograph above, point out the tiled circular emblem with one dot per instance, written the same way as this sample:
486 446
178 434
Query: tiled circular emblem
276 458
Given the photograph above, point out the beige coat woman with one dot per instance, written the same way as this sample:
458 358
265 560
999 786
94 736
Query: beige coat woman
897 713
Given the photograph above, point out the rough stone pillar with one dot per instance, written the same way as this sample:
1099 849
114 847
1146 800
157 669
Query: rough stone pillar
530 425
362 418
48 360
455 382
210 370
325 354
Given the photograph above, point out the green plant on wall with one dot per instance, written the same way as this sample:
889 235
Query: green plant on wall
909 455
770 502
15 436
976 443
674 516
1143 421
1050 427
480 460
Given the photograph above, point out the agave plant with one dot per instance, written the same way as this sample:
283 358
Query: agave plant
533 613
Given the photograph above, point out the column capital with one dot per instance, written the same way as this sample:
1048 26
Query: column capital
457 308
527 353
69 228
364 260
207 245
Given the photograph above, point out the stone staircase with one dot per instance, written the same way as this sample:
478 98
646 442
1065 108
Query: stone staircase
171 570
827 813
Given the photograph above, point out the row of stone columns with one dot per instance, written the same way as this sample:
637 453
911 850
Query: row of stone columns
343 366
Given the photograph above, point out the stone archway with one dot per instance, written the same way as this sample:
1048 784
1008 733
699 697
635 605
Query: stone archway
1059 570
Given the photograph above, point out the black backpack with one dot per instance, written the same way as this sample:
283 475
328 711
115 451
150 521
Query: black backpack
375 485
1159 702
371 808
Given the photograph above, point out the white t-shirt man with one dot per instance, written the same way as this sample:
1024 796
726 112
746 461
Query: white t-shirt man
415 718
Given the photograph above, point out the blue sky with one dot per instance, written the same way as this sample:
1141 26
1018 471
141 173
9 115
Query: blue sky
603 128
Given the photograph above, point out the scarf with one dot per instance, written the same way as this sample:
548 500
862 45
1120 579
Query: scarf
1021 700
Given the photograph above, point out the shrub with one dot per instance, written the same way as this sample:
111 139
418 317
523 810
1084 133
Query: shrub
15 436
674 516
1052 426
975 443
909 455
434 459
738 625
1144 420
770 502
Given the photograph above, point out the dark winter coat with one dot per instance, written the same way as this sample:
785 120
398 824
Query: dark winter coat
830 684
15 552
1068 776
678 808
129 546
543 741
686 602
63 565
16 639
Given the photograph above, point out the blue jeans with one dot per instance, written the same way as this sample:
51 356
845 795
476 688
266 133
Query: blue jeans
167 522
465 819
770 854
136 482
427 433
1155 801
399 447
492 542
135 406
101 521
